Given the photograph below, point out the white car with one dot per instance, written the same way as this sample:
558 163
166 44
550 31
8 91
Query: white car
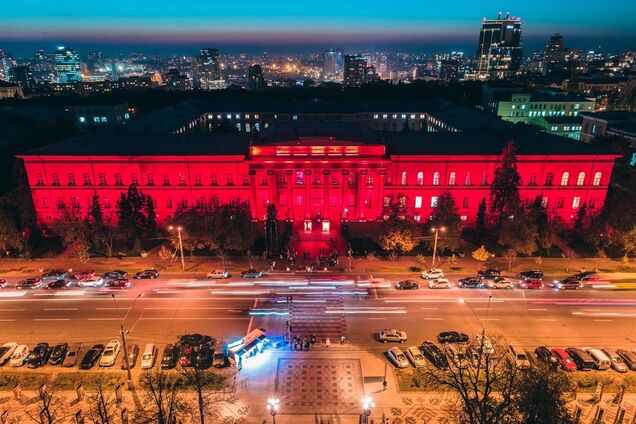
499 283
392 335
19 356
439 283
110 354
518 356
218 274
432 273
148 357
415 356
6 350
617 362
398 358
91 282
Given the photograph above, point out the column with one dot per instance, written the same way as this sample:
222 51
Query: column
253 189
325 195
360 200
343 201
307 182
289 175
379 206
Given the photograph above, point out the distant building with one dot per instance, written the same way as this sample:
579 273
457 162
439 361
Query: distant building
448 70
6 63
99 115
355 70
9 90
499 52
255 79
176 81
565 126
22 75
67 65
332 65
611 123
206 72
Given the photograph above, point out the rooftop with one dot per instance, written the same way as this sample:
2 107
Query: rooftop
612 115
300 133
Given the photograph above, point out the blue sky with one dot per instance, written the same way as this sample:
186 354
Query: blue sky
301 23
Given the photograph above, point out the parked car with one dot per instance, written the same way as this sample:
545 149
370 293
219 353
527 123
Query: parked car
109 356
452 337
583 361
84 274
169 357
545 355
434 354
407 285
415 356
219 360
58 284
457 354
616 361
628 357
133 353
531 275
565 360
439 283
53 275
531 284
58 353
483 343
3 283
6 351
91 282
488 274
39 355
398 358
149 356
20 354
119 283
113 275
29 284
72 355
218 274
499 283
432 273
251 273
601 361
147 274
470 283
204 357
518 356
392 335
91 357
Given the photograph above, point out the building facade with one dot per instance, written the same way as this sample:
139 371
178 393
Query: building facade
67 65
206 71
619 123
499 51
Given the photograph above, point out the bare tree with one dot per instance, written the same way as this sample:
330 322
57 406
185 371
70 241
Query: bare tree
163 401
102 409
204 383
542 396
50 408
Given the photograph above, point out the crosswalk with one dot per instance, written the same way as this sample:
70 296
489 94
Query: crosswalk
311 318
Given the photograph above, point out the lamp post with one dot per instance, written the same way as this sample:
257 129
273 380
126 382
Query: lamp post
483 324
367 405
436 231
122 332
179 228
273 404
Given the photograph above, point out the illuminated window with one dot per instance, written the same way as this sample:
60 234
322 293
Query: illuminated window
436 178
197 179
420 178
576 202
214 180
451 178
387 201
150 180
182 180
548 178
434 201
403 178
418 202
300 177
39 180
565 178
597 179
56 179
581 179
467 181
369 181
102 179
71 179
544 201
533 179
166 179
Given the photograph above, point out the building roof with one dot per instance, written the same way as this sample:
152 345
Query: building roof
462 117
572 120
627 129
300 132
169 119
612 115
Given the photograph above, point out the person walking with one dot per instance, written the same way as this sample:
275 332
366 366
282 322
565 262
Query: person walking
327 342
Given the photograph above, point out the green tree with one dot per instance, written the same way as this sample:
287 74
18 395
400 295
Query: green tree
445 215
396 241
504 190
151 216
10 236
132 210
547 228
95 212
480 222
271 230
629 242
541 396
518 232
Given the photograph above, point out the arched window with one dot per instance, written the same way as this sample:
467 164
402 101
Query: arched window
548 178
102 179
451 178
436 178
468 181
403 178
565 178
533 179
420 178
118 180
597 179
581 180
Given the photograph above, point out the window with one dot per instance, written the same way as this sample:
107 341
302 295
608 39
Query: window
369 181
597 179
182 180
102 179
184 203
75 202
87 179
60 203
316 180
133 179
565 178
150 180
214 180
420 178
533 179
403 178
56 179
591 203
548 178
169 203
451 178
465 203
334 179
197 179
118 180
71 179
467 181
44 204
576 202
545 201
434 201
280 177
484 179
40 180
436 179
418 202
200 202
300 177
106 203
230 179
264 181
166 179
560 202
246 180
581 180
300 200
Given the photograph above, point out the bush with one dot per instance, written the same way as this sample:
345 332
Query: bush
89 380
28 381
415 269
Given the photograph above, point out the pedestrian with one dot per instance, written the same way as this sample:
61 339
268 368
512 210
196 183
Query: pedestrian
385 385
312 338
342 340
327 342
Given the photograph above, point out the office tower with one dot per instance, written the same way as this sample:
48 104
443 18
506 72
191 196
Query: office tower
67 65
206 72
355 70
6 63
499 51
22 75
332 64
255 79
448 70
555 57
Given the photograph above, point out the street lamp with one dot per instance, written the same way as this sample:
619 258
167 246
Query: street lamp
122 332
436 231
273 404
482 324
179 228
367 405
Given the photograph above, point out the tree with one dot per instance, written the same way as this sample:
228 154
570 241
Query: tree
518 233
95 212
203 382
541 396
271 230
163 399
102 405
481 254
132 213
480 222
49 407
395 242
151 216
629 241
504 190
510 255
547 228
445 215
10 237
74 230
234 225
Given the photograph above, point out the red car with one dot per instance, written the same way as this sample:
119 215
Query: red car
564 359
3 283
531 283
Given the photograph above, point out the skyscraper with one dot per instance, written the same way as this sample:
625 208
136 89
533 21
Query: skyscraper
6 63
499 51
255 79
332 64
67 65
554 59
22 75
355 70
206 71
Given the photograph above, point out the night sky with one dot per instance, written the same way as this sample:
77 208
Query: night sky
295 25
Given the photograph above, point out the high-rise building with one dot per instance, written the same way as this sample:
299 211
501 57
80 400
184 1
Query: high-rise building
448 70
255 79
499 51
333 61
554 59
67 65
22 75
206 70
6 63
355 70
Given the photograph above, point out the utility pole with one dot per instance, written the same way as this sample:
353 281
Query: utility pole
122 333
436 231
179 228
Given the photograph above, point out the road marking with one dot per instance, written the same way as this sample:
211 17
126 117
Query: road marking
194 318
51 319
12 310
190 309
433 319
537 309
7 320
109 309
103 319
546 319
603 320
61 309
377 318
490 319
249 325
344 311
429 309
